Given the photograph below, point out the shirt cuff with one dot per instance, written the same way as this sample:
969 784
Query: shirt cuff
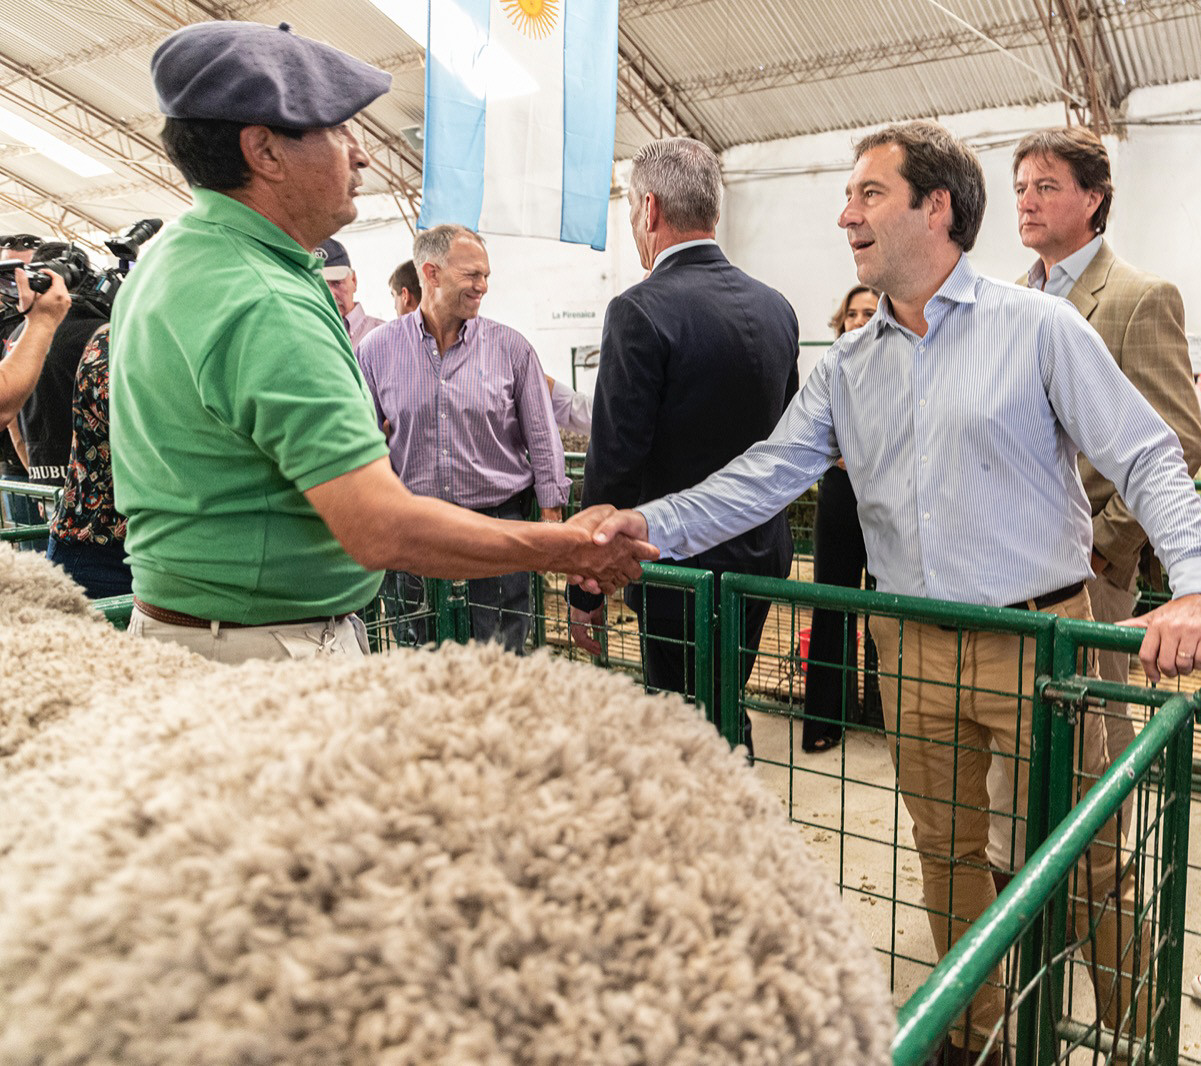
662 529
553 495
1185 577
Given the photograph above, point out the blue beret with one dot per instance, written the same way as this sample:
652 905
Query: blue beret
261 75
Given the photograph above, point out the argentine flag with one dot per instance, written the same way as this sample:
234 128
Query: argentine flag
520 115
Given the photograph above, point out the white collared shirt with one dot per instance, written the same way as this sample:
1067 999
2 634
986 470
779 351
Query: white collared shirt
1066 272
679 248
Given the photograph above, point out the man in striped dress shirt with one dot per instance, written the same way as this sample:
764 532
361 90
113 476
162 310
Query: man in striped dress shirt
463 402
959 410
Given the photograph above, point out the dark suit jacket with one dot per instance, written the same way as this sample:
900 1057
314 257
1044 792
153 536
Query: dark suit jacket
697 364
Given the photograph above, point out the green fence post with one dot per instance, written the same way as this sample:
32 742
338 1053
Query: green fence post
453 617
1060 776
704 626
729 631
538 605
1037 790
1176 834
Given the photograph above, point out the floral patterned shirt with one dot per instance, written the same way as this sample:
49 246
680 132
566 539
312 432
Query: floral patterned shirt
86 511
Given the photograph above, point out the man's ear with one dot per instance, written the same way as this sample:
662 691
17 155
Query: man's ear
262 152
939 208
429 274
652 212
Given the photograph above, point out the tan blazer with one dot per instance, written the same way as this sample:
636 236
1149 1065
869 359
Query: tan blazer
1141 319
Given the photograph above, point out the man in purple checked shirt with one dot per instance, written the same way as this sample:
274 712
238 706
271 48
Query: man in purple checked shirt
463 402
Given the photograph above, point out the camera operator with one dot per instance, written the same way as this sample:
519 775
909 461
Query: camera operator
21 369
42 432
17 509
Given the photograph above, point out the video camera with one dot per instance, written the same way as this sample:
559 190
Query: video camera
94 289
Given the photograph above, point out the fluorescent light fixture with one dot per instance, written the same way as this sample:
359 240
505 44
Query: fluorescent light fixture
497 76
51 147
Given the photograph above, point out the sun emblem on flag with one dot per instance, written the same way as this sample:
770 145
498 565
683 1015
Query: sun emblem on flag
534 18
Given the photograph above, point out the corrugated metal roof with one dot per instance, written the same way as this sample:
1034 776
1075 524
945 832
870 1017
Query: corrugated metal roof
733 71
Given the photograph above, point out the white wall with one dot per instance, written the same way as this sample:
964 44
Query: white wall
778 223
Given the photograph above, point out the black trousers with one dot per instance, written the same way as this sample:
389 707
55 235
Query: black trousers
669 648
839 558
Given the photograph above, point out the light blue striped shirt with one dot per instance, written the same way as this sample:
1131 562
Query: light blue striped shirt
961 446
462 422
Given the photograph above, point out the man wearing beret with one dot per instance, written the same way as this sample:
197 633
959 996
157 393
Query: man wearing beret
262 507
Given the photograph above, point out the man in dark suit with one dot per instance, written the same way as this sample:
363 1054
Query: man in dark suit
697 363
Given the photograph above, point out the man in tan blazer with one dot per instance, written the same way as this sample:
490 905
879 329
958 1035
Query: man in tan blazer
1064 191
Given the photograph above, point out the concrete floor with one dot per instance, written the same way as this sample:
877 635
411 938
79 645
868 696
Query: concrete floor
847 808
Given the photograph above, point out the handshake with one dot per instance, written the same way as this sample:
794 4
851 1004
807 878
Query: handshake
606 548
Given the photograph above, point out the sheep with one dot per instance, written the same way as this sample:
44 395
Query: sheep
452 856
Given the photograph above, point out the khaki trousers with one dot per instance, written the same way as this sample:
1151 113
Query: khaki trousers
1110 603
1007 837
226 644
958 696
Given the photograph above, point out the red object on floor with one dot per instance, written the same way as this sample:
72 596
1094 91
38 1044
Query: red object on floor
802 647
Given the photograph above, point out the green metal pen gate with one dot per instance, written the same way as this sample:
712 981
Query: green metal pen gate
1036 947
1050 1013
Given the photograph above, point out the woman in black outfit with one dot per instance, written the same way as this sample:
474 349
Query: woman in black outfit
832 690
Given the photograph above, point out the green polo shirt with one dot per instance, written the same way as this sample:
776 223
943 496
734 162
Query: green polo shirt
233 390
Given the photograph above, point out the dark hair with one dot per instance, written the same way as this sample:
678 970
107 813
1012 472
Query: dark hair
1083 151
844 305
405 277
48 250
936 159
208 151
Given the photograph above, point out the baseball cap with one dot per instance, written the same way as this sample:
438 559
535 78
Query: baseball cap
337 263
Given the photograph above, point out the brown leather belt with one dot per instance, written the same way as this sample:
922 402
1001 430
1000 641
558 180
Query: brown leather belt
1048 599
178 618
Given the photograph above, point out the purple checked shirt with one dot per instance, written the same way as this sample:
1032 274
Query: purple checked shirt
462 423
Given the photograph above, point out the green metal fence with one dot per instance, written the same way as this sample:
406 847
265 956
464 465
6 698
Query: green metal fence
1034 983
44 496
1032 911
860 819
442 612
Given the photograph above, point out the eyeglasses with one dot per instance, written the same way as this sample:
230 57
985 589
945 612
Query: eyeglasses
24 242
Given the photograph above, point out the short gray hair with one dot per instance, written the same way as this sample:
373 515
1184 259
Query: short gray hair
433 245
685 177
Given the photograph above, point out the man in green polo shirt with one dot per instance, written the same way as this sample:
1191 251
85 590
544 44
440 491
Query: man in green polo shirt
262 507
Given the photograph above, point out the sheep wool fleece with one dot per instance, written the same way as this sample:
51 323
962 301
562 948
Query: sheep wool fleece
426 857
